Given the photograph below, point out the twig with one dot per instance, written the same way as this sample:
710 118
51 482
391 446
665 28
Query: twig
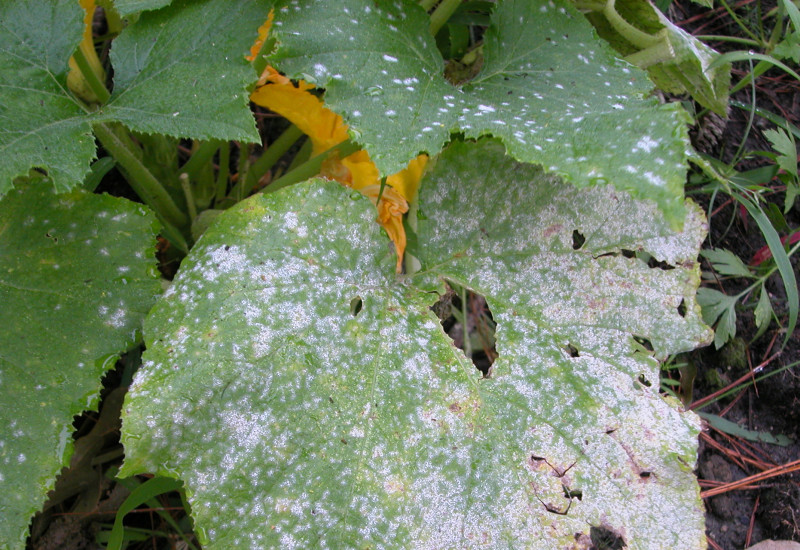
772 472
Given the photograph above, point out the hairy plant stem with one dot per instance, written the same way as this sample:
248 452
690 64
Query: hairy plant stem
638 38
187 193
657 53
266 161
442 14
199 158
427 4
312 167
143 182
91 78
224 172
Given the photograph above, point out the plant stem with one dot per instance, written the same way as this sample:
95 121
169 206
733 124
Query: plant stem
638 38
722 38
311 167
224 172
427 4
465 323
187 192
266 161
90 76
737 20
302 155
140 178
241 170
657 53
442 14
200 157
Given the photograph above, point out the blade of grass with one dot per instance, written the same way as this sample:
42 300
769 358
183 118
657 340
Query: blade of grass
140 495
781 261
732 57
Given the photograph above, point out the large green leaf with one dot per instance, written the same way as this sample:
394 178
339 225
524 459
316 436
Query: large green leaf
297 420
549 88
41 124
179 71
77 276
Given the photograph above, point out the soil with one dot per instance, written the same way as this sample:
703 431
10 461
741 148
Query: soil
771 508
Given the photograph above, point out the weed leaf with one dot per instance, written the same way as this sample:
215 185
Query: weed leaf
719 307
784 144
726 262
296 420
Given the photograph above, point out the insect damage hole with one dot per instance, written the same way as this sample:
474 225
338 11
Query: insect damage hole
577 240
682 308
604 538
468 321
356 305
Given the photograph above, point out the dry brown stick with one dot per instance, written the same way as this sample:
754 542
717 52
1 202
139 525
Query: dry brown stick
733 485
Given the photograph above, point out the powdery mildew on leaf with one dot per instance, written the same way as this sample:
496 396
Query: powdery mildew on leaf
548 88
77 276
298 421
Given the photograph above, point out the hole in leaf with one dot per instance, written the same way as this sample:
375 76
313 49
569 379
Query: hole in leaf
682 308
644 342
645 474
644 381
356 304
577 240
572 350
572 493
653 263
468 321
604 538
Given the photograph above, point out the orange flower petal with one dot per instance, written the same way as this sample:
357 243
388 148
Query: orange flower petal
263 31
327 129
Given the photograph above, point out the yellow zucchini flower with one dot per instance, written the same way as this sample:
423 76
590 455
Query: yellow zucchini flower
327 129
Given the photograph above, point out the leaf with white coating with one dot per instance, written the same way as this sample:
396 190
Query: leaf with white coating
297 420
77 276
549 88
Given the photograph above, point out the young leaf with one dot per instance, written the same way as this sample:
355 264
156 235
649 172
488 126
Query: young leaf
719 306
784 144
763 312
548 88
296 420
78 276
726 262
